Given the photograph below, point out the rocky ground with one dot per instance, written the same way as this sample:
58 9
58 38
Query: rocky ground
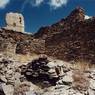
45 76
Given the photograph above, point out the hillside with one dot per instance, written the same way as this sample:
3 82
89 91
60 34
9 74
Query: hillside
72 38
19 43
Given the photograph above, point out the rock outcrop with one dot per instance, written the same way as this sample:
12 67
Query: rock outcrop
77 15
71 39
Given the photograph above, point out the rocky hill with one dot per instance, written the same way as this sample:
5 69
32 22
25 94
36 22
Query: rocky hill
72 38
77 15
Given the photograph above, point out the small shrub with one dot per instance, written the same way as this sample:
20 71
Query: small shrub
82 65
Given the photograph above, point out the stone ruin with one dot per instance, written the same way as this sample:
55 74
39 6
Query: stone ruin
15 22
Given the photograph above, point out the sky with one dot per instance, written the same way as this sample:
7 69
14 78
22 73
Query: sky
39 13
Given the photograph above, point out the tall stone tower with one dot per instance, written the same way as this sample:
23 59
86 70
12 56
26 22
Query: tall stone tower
15 22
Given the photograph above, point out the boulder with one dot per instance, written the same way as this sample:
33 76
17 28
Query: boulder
8 89
92 84
1 89
67 78
92 74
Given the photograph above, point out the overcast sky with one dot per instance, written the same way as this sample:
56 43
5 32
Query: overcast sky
38 13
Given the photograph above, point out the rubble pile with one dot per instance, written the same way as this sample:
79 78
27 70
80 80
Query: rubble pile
40 71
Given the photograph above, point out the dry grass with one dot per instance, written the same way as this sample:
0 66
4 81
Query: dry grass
82 65
81 82
27 58
24 59
19 57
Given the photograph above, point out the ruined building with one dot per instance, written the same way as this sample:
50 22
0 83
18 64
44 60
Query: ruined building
15 22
